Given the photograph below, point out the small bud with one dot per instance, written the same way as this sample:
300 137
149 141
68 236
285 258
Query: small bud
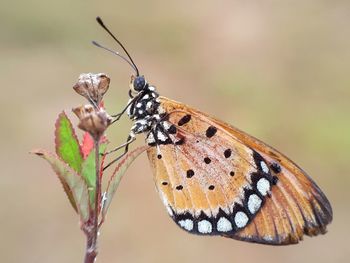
92 86
93 121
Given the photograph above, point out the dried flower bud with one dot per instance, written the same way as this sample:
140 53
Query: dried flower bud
92 121
92 86
83 111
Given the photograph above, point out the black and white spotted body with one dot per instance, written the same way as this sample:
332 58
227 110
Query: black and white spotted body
148 116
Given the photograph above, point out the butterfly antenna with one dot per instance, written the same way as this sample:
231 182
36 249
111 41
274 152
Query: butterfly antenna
99 20
115 53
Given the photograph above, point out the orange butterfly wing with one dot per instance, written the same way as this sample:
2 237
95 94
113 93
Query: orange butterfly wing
218 180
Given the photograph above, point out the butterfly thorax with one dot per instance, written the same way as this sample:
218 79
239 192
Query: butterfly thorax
149 117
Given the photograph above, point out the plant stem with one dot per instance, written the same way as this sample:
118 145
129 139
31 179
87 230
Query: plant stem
92 233
98 189
91 249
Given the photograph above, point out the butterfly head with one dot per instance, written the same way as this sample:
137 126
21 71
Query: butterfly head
138 83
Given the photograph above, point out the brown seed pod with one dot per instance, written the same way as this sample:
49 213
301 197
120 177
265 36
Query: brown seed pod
92 86
92 121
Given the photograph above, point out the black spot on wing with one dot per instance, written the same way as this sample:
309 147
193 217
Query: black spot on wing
189 173
207 160
211 187
179 187
210 132
227 153
185 119
276 168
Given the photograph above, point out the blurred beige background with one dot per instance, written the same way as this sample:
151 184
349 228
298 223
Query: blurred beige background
276 69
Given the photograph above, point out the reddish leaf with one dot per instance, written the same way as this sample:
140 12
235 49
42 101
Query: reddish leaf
87 144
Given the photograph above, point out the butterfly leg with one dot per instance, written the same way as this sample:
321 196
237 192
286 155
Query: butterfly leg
119 115
131 138
130 106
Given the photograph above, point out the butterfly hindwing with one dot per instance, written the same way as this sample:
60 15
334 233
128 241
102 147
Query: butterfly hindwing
217 180
291 211
297 205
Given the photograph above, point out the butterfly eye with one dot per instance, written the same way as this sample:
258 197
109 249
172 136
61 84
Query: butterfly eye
139 83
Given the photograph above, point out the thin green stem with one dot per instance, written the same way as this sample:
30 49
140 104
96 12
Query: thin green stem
98 188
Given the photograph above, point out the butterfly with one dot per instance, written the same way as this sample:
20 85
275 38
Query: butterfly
215 179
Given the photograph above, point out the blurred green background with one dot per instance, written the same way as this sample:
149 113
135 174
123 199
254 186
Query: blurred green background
276 69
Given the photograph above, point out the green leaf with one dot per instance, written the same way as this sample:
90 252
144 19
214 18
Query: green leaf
67 144
117 175
89 174
73 184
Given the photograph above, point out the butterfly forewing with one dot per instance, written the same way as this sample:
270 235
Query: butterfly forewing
217 180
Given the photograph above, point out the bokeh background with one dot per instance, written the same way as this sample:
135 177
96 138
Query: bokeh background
276 69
